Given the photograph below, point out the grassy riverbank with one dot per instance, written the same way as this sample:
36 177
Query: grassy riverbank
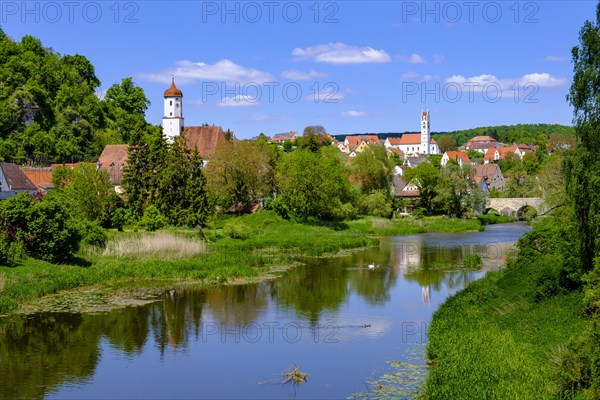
247 247
412 226
504 336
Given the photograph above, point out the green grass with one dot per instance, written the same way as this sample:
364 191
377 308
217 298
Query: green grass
411 226
493 340
269 241
489 219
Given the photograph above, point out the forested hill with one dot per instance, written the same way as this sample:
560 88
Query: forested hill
49 110
521 133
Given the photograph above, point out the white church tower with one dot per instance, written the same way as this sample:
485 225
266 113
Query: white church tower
172 122
425 133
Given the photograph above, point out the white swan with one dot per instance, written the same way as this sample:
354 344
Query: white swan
371 266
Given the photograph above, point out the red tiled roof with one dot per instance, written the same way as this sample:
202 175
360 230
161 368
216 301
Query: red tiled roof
115 154
67 165
455 155
481 139
40 177
412 138
15 178
397 151
204 138
282 137
113 160
502 152
408 193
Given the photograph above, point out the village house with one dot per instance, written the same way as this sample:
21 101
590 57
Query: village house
113 161
404 189
414 161
481 144
394 150
482 184
354 144
280 138
492 174
499 153
14 181
205 139
40 177
460 157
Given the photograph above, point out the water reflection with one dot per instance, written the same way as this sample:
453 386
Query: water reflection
50 354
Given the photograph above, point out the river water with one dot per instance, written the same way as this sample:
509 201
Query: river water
340 320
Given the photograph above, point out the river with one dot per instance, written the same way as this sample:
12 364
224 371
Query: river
340 320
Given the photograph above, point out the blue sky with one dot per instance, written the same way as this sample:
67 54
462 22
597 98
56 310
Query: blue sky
351 66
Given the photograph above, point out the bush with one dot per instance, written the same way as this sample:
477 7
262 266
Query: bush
529 213
376 204
93 234
153 219
419 213
492 218
53 234
237 230
118 219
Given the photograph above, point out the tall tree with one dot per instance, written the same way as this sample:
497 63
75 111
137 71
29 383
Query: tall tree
181 186
239 173
128 104
582 167
136 175
372 169
447 143
426 177
312 184
457 193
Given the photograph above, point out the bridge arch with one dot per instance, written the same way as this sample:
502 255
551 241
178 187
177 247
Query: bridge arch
515 206
490 210
526 212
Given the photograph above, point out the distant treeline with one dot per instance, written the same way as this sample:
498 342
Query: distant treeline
522 133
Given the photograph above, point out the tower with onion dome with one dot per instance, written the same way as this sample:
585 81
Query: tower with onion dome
172 122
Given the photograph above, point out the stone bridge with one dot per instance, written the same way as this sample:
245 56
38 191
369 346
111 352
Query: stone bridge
514 206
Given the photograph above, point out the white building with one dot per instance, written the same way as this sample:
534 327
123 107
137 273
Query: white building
172 121
415 143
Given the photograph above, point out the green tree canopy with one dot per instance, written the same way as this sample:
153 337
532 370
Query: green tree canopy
426 177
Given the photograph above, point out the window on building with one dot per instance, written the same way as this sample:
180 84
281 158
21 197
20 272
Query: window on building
170 102
170 114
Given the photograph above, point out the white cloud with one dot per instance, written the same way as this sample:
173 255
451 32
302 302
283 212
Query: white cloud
341 53
414 58
238 101
552 58
354 114
508 86
409 75
302 76
543 80
438 58
224 71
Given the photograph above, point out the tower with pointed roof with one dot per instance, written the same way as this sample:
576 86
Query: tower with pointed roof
172 121
425 133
